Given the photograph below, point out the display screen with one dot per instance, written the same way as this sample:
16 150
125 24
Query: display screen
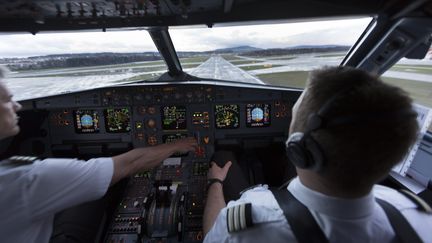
258 115
173 118
227 116
117 120
86 121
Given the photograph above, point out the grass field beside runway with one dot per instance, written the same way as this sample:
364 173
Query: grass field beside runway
230 57
240 62
421 92
256 67
294 79
423 69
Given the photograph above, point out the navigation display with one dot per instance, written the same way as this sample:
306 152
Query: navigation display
173 117
227 116
117 120
86 121
258 115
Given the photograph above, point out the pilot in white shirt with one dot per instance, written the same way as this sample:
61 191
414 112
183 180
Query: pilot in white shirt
342 220
348 130
33 191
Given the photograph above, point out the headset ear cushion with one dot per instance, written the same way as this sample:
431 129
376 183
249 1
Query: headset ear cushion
314 153
296 152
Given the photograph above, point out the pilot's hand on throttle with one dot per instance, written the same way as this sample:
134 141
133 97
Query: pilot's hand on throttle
184 145
217 172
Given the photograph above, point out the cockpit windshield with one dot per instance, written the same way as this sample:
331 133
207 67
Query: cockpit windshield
54 63
276 54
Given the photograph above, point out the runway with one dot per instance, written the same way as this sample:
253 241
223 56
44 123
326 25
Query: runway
216 67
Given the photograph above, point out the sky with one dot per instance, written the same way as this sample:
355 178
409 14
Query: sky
195 38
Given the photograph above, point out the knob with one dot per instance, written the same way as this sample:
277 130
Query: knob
151 123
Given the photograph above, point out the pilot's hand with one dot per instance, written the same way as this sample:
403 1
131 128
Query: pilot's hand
184 145
217 172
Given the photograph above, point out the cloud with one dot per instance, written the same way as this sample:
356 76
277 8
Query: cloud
342 32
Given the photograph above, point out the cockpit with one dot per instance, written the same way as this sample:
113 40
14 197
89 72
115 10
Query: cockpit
232 89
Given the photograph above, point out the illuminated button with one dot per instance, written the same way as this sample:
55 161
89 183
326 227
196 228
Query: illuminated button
141 110
199 236
199 152
138 125
152 140
206 139
140 136
151 110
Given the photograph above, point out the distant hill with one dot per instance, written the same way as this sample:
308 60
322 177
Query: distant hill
295 50
109 58
313 46
238 49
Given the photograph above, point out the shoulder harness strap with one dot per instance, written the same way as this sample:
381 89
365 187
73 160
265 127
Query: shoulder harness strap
421 204
306 229
301 221
403 230
239 217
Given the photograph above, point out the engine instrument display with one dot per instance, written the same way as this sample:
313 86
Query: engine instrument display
258 115
173 117
86 121
117 120
227 116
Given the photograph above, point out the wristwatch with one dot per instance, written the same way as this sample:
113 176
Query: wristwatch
212 181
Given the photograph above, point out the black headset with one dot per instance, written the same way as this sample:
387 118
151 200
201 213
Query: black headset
306 153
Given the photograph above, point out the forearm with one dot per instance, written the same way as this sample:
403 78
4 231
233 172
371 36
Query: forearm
139 159
215 203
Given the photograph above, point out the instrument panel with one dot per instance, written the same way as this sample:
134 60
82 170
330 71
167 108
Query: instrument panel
165 204
173 118
146 116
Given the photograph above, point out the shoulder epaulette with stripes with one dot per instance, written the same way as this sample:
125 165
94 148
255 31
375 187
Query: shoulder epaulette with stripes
19 160
239 217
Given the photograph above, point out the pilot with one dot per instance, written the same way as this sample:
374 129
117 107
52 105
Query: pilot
348 130
33 191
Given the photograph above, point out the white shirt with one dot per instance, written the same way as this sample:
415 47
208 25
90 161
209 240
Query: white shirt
30 195
342 220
